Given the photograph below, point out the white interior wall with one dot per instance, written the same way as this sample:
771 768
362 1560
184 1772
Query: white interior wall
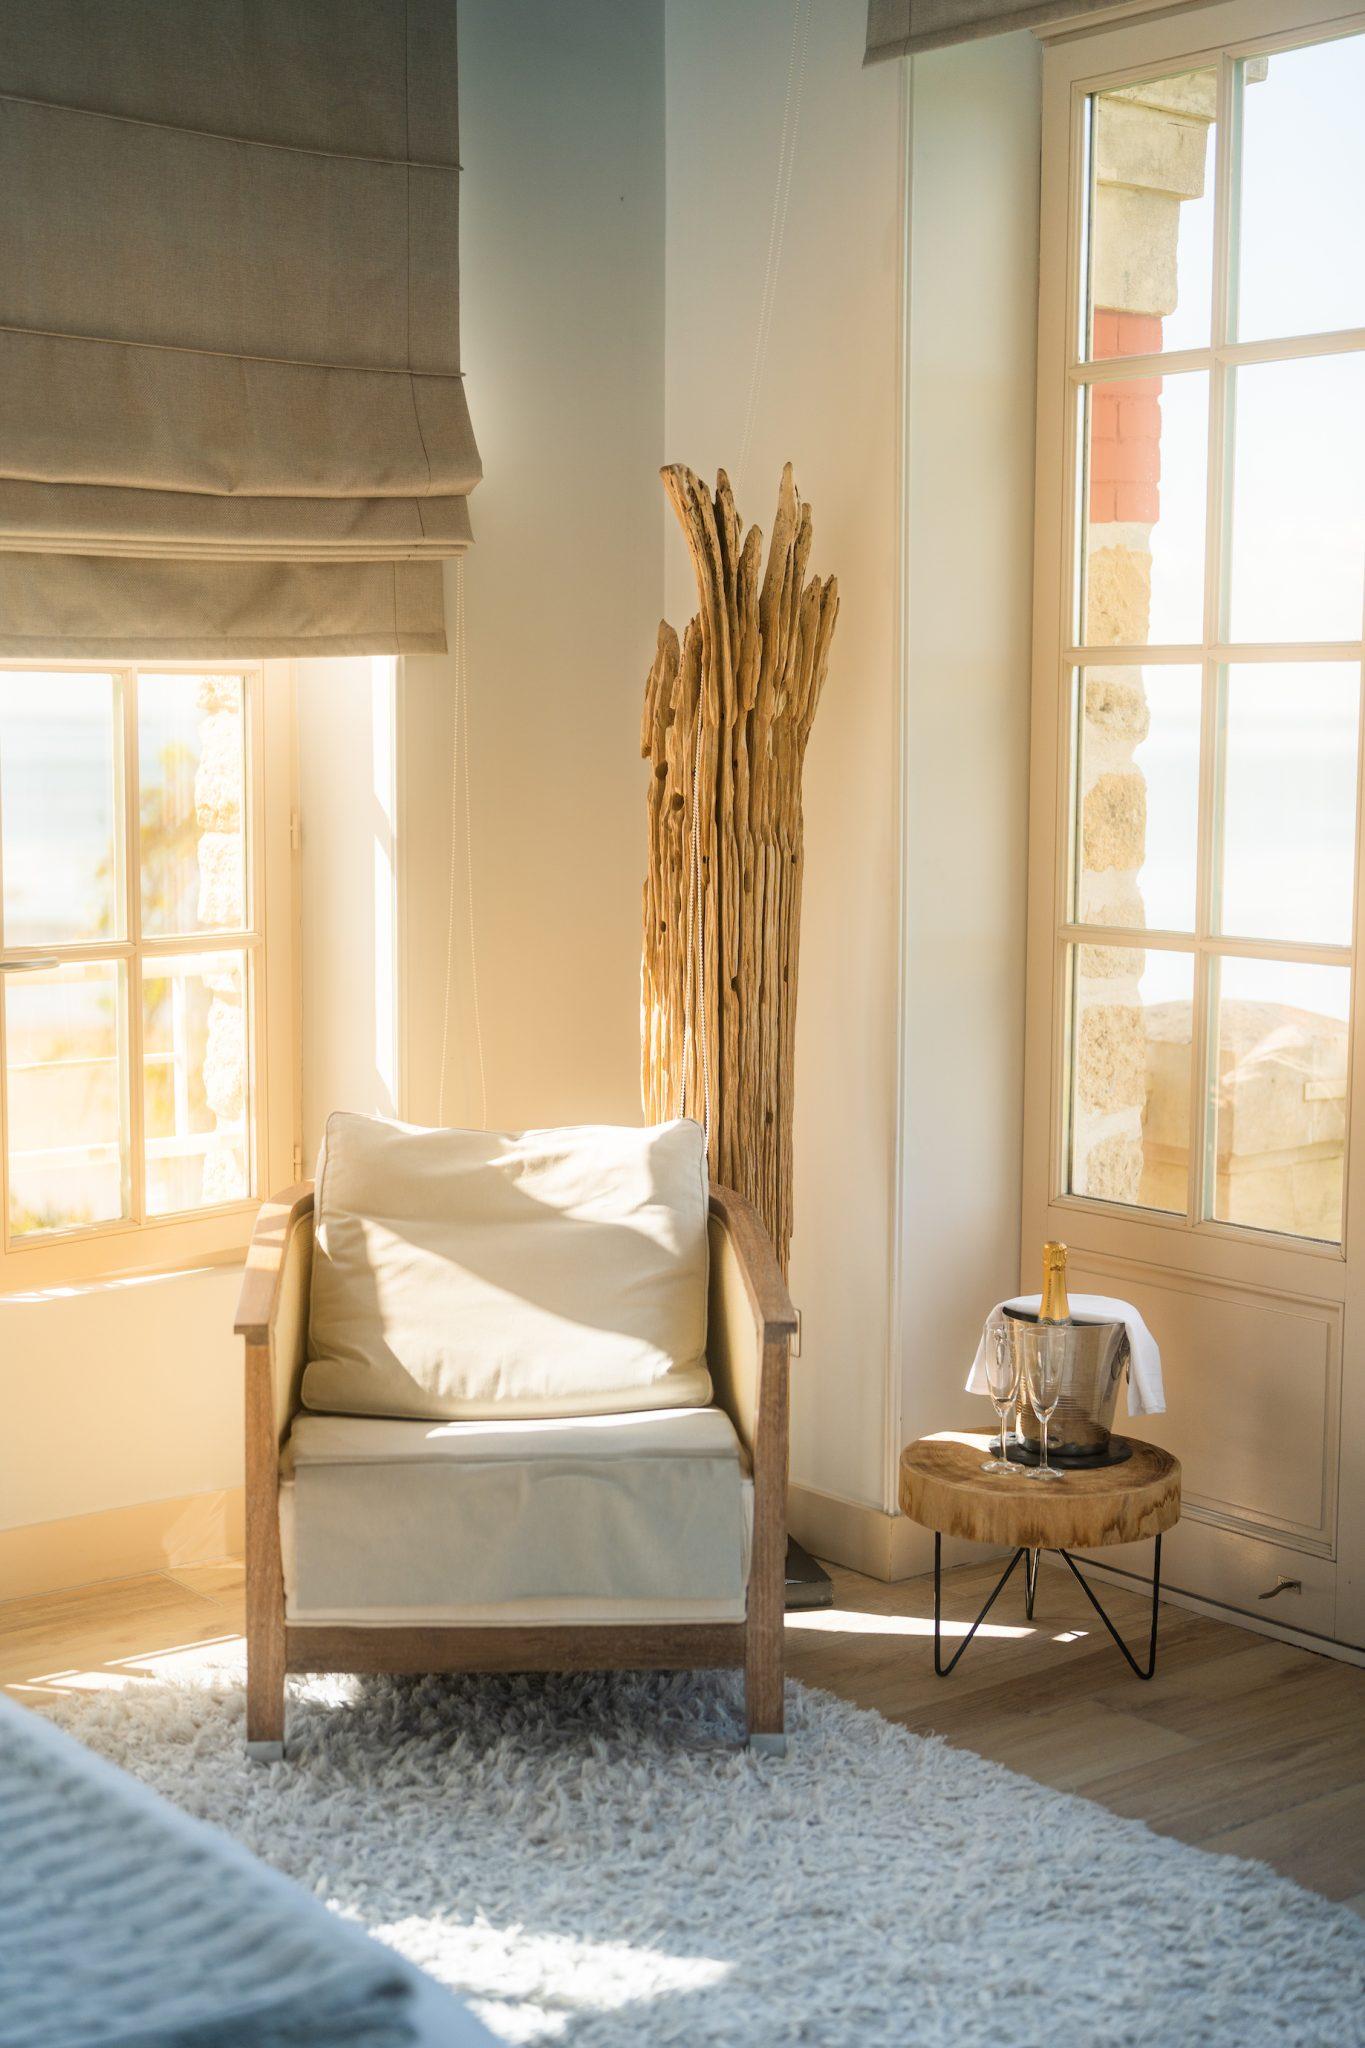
829 402
348 891
975 117
562 241
118 1394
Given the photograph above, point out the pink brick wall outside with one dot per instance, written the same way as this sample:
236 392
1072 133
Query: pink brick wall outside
1125 424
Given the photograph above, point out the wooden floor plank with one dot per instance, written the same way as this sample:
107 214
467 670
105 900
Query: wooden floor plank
1221 1783
1316 1842
101 1629
225 1583
1066 1747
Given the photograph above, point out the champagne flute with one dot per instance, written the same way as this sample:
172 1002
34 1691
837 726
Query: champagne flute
1002 1381
1043 1377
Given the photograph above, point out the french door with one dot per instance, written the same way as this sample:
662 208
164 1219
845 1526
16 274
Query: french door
1195 1055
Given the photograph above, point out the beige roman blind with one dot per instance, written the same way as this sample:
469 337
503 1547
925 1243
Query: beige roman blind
232 419
897 28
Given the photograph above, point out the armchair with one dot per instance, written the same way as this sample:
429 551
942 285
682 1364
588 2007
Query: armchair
750 1322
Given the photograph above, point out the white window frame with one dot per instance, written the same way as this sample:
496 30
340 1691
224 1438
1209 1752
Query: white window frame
138 1244
1075 69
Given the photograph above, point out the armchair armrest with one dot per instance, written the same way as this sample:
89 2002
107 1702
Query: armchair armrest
259 1301
750 1319
272 1308
760 1273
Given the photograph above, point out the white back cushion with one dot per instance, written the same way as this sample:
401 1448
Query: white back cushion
463 1275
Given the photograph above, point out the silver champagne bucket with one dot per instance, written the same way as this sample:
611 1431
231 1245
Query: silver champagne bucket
1096 1357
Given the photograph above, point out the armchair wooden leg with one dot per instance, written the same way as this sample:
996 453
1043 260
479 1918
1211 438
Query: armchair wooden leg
763 1676
763 1709
265 1690
265 1693
265 1650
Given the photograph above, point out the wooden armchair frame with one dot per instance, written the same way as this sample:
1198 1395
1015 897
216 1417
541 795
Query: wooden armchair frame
750 1323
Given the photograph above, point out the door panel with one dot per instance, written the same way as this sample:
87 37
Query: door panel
1253 1398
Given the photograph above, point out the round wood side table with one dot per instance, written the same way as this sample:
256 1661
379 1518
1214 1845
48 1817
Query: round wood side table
944 1488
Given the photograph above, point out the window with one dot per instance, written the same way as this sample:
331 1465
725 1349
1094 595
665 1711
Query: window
145 952
1209 683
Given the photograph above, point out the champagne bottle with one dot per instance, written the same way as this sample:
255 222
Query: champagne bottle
1055 1306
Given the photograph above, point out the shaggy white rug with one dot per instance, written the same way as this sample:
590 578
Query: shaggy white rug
593 1861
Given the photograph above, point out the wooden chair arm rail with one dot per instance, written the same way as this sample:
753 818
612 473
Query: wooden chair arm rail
763 1281
259 1297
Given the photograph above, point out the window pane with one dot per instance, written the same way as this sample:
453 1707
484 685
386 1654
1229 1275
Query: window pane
1289 801
1302 257
192 769
194 1050
1280 1097
1138 797
64 1097
1147 450
1151 215
58 802
1130 1077
1298 500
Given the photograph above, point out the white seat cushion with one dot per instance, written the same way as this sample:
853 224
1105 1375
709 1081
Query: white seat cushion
474 1274
603 1518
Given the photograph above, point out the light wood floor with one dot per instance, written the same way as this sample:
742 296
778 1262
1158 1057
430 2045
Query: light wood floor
1239 1743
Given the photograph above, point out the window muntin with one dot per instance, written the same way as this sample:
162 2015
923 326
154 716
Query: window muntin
132 839
1213 712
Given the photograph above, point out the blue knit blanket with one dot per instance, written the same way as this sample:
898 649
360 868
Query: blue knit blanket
126 1924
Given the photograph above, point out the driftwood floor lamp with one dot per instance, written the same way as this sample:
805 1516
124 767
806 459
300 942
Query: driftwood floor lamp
727 715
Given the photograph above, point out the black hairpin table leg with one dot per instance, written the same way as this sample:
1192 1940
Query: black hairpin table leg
1156 1611
940 1667
1031 1558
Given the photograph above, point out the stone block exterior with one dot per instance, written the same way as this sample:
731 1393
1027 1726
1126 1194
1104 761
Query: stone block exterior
1150 157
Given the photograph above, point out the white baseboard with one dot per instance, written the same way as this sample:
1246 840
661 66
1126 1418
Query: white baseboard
120 1543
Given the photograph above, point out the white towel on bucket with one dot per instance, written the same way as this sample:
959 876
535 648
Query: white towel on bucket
1146 1395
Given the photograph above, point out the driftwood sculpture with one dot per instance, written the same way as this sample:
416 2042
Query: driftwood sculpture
726 719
